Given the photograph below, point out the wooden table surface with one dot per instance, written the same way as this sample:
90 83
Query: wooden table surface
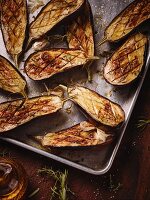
130 170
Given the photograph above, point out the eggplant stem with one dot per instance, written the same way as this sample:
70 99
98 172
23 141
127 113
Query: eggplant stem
15 59
24 94
102 41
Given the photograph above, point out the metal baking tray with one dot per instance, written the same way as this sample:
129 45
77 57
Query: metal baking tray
94 160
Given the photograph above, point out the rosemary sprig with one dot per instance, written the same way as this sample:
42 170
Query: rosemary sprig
60 188
142 124
112 186
34 193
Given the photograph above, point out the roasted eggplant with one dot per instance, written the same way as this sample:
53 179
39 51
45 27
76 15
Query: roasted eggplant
80 32
17 112
130 18
51 14
98 107
13 26
10 78
126 63
44 64
82 134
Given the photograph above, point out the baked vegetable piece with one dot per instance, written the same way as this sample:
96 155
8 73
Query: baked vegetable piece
44 64
97 106
80 32
18 112
10 78
51 14
13 26
126 63
131 17
82 134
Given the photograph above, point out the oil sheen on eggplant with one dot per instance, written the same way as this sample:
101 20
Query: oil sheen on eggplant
126 63
98 107
80 135
10 78
44 64
130 18
13 26
17 112
51 14
80 32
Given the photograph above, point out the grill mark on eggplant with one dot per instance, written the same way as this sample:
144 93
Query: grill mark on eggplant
10 78
80 32
48 18
56 61
14 22
83 134
126 63
18 112
97 106
131 17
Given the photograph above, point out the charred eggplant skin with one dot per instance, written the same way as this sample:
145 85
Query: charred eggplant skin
96 106
56 11
44 64
128 61
80 33
130 18
13 25
11 79
17 112
84 134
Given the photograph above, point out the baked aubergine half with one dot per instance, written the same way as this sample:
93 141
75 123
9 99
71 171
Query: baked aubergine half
98 107
10 78
44 64
17 112
80 32
13 26
129 19
127 62
81 135
51 14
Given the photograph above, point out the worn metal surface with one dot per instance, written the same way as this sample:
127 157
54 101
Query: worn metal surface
95 160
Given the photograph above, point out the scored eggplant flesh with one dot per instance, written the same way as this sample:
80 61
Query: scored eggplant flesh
44 64
98 107
126 63
130 18
10 78
80 32
82 134
17 112
13 26
51 14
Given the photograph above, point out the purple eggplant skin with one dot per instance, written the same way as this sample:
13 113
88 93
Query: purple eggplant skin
144 62
16 18
60 20
8 74
132 21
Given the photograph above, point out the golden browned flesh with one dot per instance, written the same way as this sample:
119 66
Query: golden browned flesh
14 22
54 12
18 112
97 106
126 63
136 13
83 134
80 32
10 79
44 64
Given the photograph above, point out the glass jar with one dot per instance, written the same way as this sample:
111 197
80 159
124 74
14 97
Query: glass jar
13 180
